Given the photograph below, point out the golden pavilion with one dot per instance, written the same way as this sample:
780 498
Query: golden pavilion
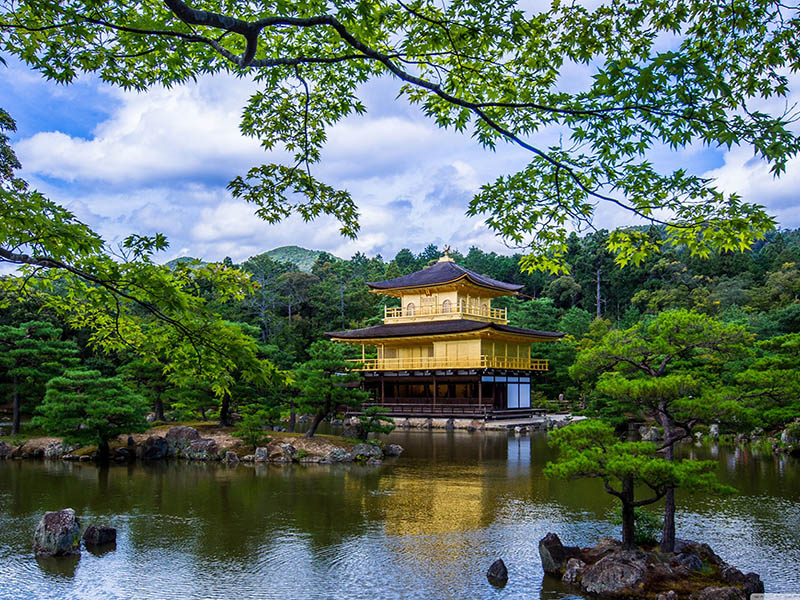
446 351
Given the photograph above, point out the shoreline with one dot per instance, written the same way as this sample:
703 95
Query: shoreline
207 442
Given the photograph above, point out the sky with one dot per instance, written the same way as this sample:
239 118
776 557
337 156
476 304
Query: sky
128 162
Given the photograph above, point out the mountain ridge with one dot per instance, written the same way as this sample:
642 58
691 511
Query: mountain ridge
302 258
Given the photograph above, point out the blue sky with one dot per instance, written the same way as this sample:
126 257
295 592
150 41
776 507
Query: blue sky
159 161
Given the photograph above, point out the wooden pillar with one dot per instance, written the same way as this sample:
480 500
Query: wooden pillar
434 390
383 391
480 392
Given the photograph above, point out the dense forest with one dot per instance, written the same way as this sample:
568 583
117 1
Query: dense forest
291 308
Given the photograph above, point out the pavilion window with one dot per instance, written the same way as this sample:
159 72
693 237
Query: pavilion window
462 390
446 306
484 309
411 309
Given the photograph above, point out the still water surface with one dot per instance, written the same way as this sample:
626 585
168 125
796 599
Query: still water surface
424 526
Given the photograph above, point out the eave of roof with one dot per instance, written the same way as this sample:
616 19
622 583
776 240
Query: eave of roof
429 328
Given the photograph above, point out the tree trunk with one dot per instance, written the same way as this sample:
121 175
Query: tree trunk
224 412
292 419
15 423
314 424
319 417
628 515
598 293
341 299
158 408
668 532
103 451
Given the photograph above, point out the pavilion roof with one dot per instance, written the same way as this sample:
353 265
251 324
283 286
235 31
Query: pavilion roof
443 272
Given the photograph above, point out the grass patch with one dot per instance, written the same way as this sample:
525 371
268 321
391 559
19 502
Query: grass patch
692 584
27 434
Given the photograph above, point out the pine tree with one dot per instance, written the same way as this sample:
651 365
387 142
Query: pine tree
32 353
591 449
669 369
326 383
84 407
146 376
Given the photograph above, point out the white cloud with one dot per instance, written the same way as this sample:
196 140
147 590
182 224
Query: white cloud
751 178
163 134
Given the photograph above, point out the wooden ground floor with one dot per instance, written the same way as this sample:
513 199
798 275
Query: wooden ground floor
486 393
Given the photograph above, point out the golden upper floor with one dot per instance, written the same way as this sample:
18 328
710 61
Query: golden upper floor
444 291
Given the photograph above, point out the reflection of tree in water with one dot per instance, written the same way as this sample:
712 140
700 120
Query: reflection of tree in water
239 512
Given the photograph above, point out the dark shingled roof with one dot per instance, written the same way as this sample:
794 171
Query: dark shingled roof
434 328
439 273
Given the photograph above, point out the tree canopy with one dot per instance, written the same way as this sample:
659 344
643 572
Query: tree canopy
32 354
591 449
326 383
662 74
85 407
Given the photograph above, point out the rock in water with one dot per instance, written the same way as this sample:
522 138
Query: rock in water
573 571
450 425
339 455
153 448
57 534
719 593
751 583
497 573
366 451
616 574
231 457
99 536
555 555
280 452
5 450
202 449
261 455
179 438
392 450
789 436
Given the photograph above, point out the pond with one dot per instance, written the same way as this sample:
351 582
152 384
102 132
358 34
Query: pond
427 525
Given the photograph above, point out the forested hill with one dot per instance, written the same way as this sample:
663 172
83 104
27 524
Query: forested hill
302 258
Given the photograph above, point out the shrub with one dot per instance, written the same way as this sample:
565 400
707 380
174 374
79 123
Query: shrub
251 429
374 420
646 528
